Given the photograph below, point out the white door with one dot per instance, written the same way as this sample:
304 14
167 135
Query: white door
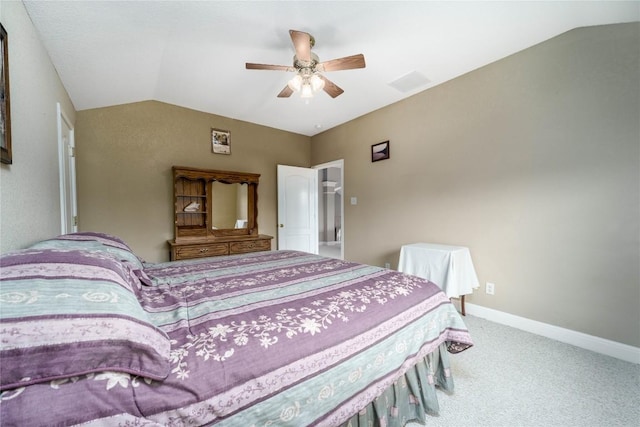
297 209
67 166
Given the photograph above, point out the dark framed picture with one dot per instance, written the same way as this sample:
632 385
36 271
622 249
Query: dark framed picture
5 106
380 151
220 141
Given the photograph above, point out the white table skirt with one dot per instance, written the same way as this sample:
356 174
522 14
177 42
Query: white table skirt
449 267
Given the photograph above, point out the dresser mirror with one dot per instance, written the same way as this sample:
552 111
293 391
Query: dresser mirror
229 205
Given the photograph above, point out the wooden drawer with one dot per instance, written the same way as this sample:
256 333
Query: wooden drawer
249 246
201 251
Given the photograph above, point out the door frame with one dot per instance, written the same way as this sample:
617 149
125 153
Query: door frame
67 175
336 164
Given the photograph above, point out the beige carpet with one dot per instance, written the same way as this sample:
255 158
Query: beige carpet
515 378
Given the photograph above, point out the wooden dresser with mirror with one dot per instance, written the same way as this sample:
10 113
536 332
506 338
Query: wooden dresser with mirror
215 213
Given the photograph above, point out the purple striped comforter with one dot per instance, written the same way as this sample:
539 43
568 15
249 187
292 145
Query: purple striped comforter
271 338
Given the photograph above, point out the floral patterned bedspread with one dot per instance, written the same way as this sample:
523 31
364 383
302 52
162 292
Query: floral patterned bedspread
271 338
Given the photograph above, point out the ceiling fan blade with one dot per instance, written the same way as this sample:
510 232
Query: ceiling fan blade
251 66
302 43
331 88
286 92
346 63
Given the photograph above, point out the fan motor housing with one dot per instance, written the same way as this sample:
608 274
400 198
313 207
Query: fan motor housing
301 65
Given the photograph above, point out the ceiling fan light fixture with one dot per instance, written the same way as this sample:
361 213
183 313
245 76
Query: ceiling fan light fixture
317 84
295 84
306 91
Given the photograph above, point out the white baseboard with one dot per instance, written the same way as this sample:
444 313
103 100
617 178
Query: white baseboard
615 349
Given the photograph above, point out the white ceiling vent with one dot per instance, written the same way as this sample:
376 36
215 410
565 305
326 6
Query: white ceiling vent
409 82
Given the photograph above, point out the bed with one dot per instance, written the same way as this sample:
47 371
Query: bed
92 335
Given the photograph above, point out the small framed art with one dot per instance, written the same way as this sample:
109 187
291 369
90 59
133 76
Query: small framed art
5 106
380 151
220 141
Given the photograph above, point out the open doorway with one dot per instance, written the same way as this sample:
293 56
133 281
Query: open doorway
331 209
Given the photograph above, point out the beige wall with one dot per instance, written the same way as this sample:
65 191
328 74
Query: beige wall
29 189
124 159
533 162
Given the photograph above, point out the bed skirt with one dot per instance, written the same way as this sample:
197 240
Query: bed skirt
411 397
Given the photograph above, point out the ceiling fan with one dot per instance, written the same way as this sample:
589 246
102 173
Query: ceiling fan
308 67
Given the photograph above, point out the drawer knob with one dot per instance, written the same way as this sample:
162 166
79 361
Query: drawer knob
203 250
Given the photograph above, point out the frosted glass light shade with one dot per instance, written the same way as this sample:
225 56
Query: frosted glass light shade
295 84
317 83
307 91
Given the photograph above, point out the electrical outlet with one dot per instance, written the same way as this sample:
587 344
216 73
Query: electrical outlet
490 288
387 265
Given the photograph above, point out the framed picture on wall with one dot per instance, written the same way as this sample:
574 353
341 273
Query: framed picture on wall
5 106
380 151
220 141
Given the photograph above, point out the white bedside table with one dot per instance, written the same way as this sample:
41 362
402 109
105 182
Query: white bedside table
449 267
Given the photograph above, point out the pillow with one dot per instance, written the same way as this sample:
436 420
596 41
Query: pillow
111 244
68 312
130 261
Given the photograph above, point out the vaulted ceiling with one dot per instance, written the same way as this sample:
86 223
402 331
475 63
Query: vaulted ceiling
193 53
